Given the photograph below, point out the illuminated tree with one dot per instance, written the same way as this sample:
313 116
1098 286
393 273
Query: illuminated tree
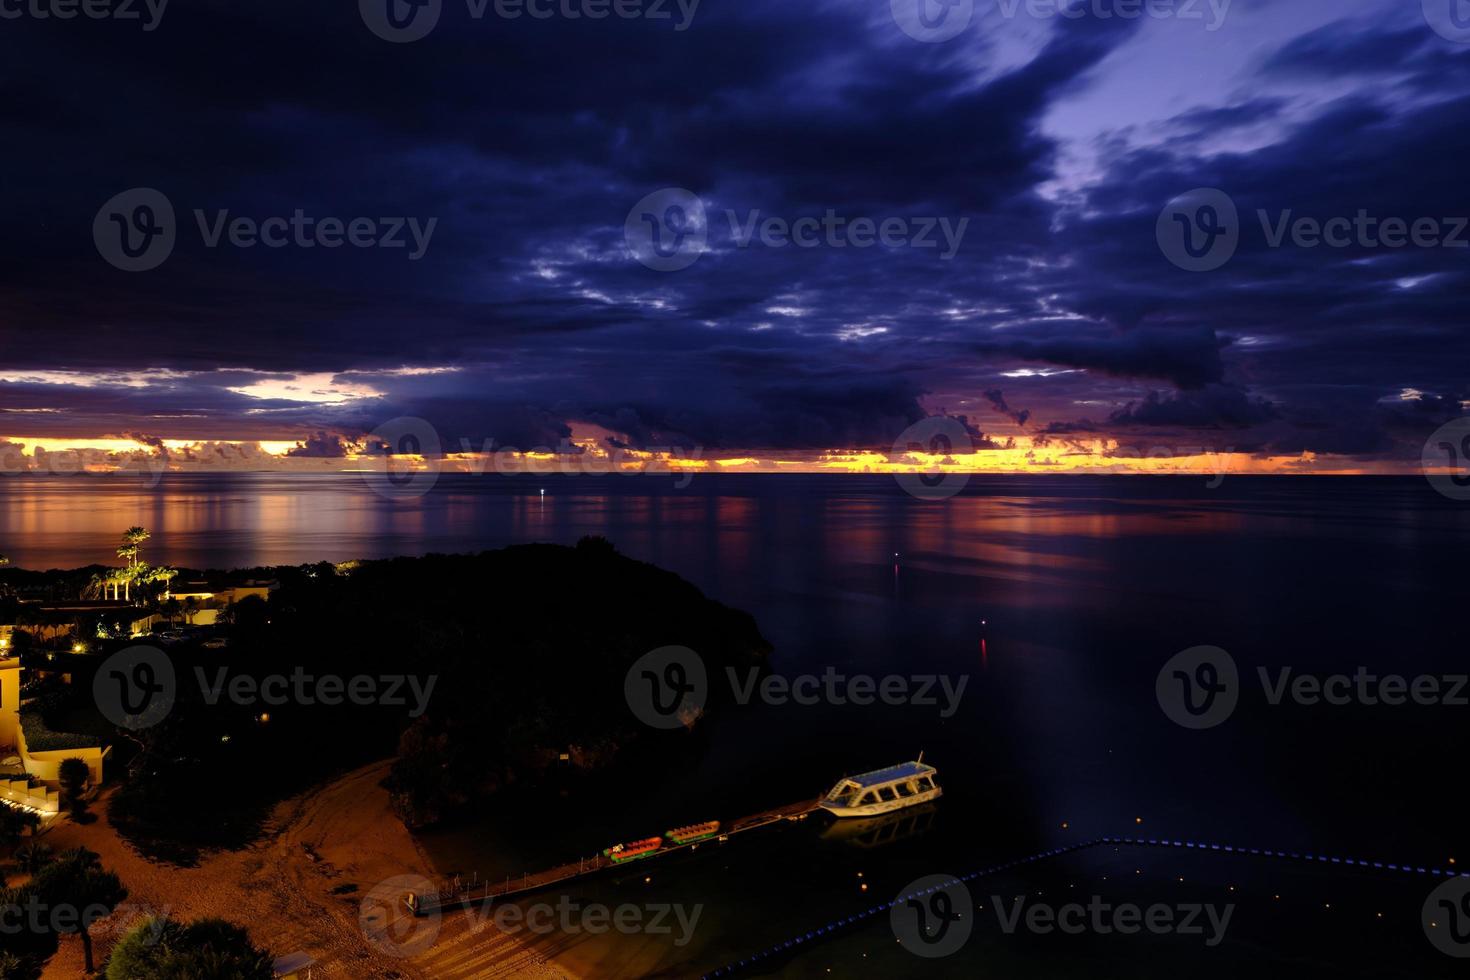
133 539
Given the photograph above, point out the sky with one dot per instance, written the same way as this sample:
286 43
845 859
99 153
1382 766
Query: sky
764 235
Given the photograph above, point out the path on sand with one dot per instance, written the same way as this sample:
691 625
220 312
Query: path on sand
281 888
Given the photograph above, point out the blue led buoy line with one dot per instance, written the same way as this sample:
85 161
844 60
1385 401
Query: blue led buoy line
833 926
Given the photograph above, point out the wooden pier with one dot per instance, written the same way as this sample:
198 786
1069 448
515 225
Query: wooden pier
458 893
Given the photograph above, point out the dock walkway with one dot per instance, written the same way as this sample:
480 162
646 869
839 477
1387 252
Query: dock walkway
458 893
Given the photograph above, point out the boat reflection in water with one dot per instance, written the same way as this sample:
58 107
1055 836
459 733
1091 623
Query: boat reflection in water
870 832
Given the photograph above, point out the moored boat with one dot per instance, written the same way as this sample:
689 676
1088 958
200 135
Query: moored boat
883 790
699 831
634 850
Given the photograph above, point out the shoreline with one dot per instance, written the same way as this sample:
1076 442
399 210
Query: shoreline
341 833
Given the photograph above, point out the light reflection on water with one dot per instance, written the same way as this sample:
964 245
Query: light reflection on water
1087 585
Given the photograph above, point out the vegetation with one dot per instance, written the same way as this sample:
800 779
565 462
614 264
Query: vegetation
13 823
75 881
31 857
529 648
162 949
74 775
40 738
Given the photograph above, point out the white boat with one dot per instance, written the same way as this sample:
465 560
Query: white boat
883 791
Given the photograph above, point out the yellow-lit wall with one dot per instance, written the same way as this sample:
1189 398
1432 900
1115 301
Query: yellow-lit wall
9 702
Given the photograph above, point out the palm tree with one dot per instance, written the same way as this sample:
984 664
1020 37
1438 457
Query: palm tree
132 541
161 947
32 856
77 880
74 775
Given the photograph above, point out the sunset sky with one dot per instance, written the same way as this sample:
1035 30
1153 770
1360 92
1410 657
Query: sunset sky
1059 329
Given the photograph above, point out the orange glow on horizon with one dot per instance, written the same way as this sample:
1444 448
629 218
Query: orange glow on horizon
1096 456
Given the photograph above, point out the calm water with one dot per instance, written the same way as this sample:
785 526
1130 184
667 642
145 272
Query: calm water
1084 586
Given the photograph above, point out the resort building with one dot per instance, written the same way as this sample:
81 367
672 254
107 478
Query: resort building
29 769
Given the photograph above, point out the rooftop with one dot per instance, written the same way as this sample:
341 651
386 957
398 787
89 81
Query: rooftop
904 770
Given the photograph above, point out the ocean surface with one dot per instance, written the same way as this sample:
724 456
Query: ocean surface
1057 601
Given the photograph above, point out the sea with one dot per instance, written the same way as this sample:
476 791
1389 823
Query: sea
1037 634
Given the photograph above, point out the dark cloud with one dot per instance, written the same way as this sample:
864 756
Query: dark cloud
529 142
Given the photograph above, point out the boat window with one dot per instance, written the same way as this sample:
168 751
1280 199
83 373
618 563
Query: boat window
867 798
905 789
887 795
926 783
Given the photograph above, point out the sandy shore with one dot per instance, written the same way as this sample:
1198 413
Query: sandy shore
334 837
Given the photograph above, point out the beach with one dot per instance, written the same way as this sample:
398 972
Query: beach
282 888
